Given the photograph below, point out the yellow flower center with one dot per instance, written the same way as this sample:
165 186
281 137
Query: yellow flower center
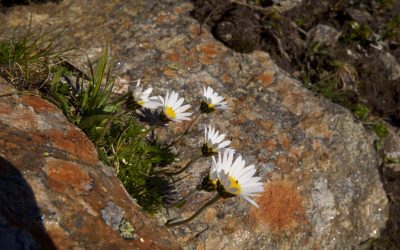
170 112
235 186
140 102
210 105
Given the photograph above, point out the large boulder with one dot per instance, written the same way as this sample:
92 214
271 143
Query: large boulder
54 192
322 186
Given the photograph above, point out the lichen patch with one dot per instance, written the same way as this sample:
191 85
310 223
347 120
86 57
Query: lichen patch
281 207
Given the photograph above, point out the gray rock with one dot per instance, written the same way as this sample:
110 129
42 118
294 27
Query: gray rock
285 5
391 65
323 34
112 215
322 186
391 151
361 16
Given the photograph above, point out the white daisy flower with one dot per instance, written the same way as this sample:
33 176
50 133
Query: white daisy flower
213 141
212 101
173 109
234 179
140 98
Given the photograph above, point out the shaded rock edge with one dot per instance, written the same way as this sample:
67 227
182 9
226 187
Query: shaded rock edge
55 194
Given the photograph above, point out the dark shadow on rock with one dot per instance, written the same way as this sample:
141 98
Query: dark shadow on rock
8 3
21 225
152 117
233 24
390 236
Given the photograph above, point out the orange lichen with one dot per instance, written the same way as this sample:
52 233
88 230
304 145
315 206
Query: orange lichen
284 141
5 109
293 98
173 57
208 51
170 72
178 10
281 207
189 62
63 175
38 104
75 143
265 78
265 124
162 17
226 78
270 145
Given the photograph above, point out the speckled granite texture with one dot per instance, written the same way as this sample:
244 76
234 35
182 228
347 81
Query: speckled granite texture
322 188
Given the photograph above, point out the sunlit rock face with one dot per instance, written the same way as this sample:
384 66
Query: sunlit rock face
319 165
54 193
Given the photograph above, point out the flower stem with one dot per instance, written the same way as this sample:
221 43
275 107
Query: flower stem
180 170
186 131
183 200
170 223
190 163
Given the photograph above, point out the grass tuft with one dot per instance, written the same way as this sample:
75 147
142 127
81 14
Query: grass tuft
27 62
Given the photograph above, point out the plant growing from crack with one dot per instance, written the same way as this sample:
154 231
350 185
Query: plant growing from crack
124 128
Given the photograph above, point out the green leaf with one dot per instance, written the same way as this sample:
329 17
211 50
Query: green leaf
98 75
93 120
60 92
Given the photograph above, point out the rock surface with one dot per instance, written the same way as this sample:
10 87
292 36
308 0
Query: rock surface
322 187
391 65
54 193
323 34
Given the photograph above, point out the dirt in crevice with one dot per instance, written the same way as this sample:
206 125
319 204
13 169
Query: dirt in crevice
354 64
349 71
